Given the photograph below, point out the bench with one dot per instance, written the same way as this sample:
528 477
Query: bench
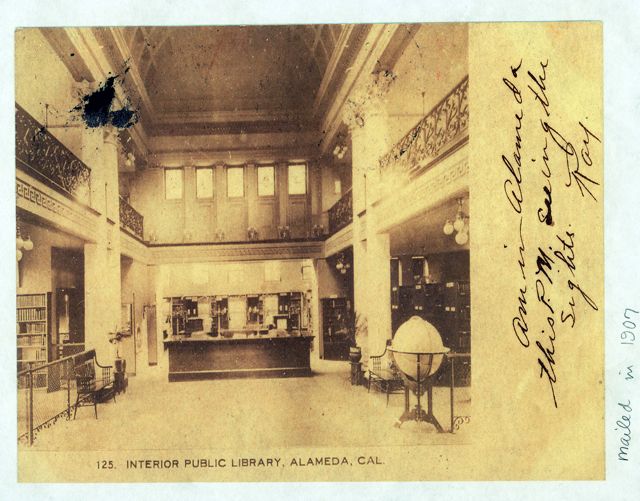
94 382
384 374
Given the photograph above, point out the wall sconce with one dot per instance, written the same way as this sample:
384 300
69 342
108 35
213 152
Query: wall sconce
342 265
252 233
219 235
130 160
460 225
284 232
22 244
220 311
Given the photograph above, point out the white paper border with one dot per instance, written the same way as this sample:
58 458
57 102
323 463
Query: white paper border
622 232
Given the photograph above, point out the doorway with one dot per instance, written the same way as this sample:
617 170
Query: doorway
152 341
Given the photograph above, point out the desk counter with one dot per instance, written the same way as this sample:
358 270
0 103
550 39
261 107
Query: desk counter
204 357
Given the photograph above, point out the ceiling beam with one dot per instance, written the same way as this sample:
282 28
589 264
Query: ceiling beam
329 74
377 40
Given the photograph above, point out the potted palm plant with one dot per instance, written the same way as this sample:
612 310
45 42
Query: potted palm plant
356 328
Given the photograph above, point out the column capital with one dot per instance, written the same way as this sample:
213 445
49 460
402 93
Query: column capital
367 99
111 136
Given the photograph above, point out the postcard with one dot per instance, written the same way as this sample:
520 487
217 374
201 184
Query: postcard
312 252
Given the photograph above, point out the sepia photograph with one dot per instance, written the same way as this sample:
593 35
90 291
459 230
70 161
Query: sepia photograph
257 249
269 223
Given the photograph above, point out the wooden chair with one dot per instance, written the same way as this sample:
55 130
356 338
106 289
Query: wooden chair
384 374
92 390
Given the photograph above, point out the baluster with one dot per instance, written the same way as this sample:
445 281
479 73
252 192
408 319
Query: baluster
68 371
451 382
30 412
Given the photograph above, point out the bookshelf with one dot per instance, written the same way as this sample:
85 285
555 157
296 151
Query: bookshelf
33 319
335 341
295 311
447 306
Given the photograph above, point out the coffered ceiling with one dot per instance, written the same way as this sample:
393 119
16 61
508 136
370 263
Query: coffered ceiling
241 82
231 79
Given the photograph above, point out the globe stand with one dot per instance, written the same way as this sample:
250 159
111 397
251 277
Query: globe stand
418 413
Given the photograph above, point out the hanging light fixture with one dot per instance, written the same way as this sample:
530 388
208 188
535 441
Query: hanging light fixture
340 151
462 237
342 265
460 225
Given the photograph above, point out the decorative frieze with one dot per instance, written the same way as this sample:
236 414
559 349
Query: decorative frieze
432 188
40 198
162 254
339 241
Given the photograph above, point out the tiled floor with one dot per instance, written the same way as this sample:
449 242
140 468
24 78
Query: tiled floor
323 410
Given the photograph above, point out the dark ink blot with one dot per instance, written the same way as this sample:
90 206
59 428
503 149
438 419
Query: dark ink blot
123 118
97 112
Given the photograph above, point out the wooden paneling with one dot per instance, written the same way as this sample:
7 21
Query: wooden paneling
239 357
265 218
234 222
297 217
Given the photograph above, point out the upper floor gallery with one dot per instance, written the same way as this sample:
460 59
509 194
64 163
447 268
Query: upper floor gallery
243 134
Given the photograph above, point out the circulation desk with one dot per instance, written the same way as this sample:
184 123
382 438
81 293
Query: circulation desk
201 356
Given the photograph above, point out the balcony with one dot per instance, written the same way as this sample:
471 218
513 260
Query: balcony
131 220
41 155
341 214
441 132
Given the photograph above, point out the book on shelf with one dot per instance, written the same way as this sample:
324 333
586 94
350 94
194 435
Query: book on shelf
30 315
33 328
30 341
33 325
31 301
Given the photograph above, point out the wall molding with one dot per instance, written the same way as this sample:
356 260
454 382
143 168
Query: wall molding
425 192
339 241
250 251
37 199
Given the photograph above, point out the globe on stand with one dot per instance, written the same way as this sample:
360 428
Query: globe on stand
418 353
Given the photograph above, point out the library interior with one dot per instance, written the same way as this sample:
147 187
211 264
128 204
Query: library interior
232 228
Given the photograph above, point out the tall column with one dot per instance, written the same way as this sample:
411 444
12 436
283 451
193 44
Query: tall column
163 313
113 282
379 290
366 116
102 257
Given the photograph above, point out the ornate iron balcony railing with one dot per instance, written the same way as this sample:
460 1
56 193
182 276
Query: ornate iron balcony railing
341 213
41 154
441 131
131 219
39 409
